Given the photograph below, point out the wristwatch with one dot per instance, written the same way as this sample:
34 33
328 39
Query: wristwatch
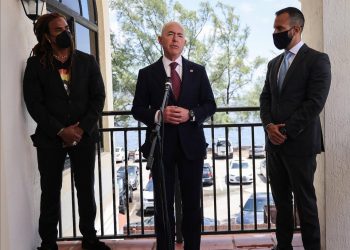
192 116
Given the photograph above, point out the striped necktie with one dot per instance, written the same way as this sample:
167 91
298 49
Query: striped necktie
175 80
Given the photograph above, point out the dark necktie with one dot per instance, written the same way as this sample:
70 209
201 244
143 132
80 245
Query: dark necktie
175 80
283 69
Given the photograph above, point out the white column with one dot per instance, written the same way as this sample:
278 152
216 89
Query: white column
313 36
337 44
333 17
104 51
19 180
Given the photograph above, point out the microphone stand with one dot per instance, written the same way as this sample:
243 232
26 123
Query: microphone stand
161 207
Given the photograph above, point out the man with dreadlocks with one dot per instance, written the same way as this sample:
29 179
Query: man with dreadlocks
64 93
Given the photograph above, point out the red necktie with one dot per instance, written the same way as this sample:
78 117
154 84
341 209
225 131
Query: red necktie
175 80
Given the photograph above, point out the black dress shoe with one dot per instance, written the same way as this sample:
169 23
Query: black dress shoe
48 248
277 248
94 245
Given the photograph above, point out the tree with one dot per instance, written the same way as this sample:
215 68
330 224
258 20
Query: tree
214 36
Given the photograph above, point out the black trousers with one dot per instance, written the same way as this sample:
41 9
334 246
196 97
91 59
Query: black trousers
294 175
51 162
190 178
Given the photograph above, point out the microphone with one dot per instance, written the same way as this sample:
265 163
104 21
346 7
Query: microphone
155 131
168 84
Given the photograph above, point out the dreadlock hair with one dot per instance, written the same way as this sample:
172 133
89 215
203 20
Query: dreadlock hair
43 48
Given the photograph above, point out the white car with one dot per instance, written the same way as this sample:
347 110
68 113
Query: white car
234 172
259 151
119 155
137 156
263 168
148 198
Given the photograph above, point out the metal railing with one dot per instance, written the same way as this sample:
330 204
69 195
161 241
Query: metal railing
234 201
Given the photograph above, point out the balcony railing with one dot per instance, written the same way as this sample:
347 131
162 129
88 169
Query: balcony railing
236 193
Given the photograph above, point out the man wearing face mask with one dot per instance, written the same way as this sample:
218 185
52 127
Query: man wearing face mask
64 93
295 91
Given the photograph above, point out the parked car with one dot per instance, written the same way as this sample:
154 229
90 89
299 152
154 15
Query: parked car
133 175
263 168
207 177
119 155
248 208
124 189
148 198
220 148
137 156
259 151
234 172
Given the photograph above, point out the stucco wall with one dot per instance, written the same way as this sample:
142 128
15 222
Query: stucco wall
18 177
337 120
335 39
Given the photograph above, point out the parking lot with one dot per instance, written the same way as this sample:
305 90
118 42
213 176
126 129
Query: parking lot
227 197
225 193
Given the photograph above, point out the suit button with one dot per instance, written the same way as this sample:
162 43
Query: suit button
69 102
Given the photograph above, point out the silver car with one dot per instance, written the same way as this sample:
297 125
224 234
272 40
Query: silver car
220 148
133 175
148 198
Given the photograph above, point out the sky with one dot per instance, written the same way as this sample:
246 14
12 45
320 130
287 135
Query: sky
259 16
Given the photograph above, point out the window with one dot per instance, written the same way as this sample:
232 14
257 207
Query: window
72 4
84 39
81 19
87 9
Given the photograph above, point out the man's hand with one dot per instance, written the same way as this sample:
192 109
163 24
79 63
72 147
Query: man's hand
275 135
176 115
71 135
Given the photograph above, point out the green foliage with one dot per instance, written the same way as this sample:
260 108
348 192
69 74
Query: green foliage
214 37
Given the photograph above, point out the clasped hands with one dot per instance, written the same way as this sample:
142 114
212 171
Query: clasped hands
175 115
274 134
71 135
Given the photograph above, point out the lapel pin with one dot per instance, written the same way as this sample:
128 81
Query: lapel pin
191 70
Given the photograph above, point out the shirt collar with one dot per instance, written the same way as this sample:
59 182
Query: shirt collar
296 47
167 62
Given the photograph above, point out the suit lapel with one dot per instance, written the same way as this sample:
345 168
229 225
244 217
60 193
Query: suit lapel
186 79
74 75
275 70
296 62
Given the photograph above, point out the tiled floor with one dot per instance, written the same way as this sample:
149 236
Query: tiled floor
261 241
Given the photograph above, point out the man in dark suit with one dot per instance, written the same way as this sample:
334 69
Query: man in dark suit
64 93
190 104
295 91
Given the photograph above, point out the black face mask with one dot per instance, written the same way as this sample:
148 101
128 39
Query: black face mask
282 39
64 40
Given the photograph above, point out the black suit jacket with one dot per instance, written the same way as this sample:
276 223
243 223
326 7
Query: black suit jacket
50 106
299 103
196 94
